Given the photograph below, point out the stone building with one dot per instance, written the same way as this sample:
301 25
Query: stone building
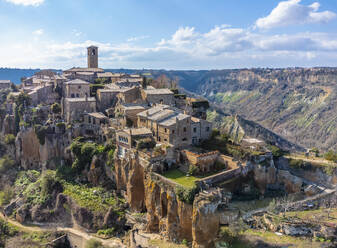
168 125
127 139
129 95
159 96
74 109
106 98
5 84
128 113
92 57
200 130
43 94
76 88
95 118
196 107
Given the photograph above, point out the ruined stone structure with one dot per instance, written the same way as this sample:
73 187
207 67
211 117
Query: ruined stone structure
200 130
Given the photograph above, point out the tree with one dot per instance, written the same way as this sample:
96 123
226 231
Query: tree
56 108
6 163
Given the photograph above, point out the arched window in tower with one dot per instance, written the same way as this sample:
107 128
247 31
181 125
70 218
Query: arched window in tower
93 52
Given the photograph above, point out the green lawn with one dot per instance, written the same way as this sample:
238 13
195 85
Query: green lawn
181 178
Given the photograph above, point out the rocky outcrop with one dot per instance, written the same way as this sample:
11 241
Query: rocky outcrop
129 176
293 184
31 154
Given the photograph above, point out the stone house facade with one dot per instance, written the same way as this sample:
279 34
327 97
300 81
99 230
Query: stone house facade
158 96
126 139
5 84
106 98
129 95
200 130
75 108
128 113
76 89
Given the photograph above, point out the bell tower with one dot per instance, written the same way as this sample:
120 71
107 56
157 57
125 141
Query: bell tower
92 57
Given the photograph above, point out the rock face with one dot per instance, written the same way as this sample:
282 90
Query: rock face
130 178
267 175
293 184
206 214
166 213
31 154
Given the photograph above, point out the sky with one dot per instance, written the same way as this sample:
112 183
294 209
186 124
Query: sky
171 34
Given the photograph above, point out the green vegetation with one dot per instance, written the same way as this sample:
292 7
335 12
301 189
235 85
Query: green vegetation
276 151
146 143
187 194
94 88
93 243
6 230
6 195
95 199
181 178
84 152
55 108
331 156
10 139
40 132
165 244
106 233
6 163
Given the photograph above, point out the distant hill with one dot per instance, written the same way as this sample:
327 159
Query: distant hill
15 74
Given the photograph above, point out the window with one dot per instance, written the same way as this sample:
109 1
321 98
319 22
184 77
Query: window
194 129
207 129
165 139
89 119
72 95
158 138
172 131
165 130
184 139
185 129
77 95
79 86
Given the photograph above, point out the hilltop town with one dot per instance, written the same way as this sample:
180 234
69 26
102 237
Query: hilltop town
135 161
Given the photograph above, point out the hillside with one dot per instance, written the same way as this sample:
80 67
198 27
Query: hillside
298 104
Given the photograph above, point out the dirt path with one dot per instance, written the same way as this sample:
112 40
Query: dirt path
106 242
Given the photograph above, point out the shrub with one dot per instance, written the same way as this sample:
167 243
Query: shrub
40 132
107 233
10 139
110 160
187 195
276 151
331 156
193 170
61 125
6 195
49 183
55 108
93 243
6 163
296 163
146 143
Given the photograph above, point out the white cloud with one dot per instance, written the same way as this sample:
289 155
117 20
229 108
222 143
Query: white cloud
26 2
220 47
38 32
291 12
137 38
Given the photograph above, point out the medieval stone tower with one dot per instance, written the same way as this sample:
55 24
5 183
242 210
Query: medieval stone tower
92 57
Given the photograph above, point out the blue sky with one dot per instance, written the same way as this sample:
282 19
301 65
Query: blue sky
172 34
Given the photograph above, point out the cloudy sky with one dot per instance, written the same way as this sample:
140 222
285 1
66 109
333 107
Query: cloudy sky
172 34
